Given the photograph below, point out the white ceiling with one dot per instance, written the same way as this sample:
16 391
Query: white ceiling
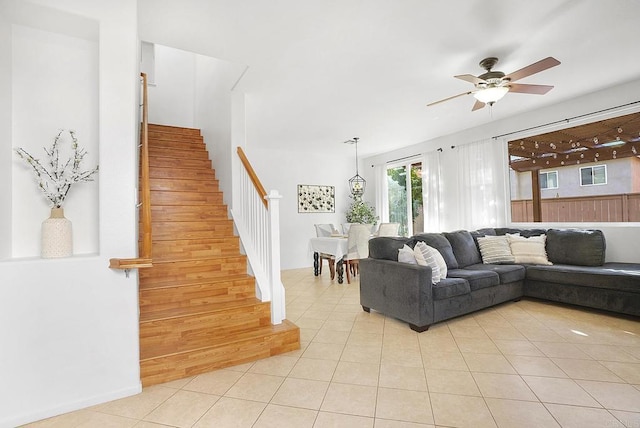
321 72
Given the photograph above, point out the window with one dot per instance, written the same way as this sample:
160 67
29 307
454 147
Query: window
549 180
593 175
405 198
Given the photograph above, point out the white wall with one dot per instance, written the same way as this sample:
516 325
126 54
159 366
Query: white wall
283 171
5 136
172 98
69 327
621 238
54 86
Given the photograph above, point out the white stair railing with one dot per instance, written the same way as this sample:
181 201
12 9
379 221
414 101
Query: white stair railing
256 216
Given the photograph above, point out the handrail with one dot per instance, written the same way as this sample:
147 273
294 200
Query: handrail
256 216
253 176
144 259
144 175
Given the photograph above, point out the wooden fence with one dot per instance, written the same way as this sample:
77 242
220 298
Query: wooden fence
607 208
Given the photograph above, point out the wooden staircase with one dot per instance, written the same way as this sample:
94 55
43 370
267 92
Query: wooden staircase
198 308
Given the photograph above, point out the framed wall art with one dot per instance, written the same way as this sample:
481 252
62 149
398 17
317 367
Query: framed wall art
316 199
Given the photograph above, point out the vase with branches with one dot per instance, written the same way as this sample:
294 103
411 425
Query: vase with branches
56 176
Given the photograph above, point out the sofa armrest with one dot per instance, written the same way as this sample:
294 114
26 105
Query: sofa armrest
399 290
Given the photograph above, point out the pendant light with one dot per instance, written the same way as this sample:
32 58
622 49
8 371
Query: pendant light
357 184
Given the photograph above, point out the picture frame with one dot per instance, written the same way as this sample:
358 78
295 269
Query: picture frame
316 198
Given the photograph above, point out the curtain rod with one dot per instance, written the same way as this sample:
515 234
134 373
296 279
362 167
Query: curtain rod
406 157
567 120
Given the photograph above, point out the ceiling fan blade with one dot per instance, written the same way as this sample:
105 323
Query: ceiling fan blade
478 105
470 78
447 99
529 89
534 68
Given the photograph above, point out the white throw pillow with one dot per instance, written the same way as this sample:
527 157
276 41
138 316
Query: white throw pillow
405 255
441 263
495 249
529 250
428 256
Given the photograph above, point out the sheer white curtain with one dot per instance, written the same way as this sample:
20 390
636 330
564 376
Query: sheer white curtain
382 194
431 191
482 169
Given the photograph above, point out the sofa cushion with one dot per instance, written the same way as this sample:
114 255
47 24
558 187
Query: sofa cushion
477 279
529 250
386 247
440 243
507 273
450 287
614 276
576 247
464 248
522 232
495 249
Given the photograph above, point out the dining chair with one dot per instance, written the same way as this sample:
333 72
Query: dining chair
345 228
357 248
388 229
324 231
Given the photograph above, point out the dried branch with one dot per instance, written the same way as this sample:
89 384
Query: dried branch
56 181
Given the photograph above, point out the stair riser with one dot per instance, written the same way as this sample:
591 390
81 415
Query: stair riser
173 138
159 338
178 153
182 173
182 143
208 185
166 213
162 299
190 249
162 162
185 198
202 234
162 273
178 227
165 369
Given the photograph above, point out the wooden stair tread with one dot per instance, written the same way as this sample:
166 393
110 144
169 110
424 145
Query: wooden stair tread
151 285
173 129
236 338
198 309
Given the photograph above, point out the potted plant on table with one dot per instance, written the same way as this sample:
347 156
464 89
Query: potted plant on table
361 212
55 178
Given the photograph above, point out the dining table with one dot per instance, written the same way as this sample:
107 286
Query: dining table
335 245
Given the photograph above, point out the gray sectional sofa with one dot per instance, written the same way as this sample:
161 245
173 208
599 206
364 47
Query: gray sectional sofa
578 276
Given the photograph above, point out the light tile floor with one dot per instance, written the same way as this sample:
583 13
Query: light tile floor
523 364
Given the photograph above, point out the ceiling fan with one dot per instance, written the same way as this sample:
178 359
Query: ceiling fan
493 85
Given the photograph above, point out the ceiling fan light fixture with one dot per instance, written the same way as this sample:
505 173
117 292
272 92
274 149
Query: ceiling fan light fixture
491 95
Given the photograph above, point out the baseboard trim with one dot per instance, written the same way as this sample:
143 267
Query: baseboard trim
50 412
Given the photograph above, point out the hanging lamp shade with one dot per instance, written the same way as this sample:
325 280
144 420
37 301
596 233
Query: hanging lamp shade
357 184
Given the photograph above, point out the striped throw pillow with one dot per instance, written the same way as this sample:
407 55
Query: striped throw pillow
425 256
495 250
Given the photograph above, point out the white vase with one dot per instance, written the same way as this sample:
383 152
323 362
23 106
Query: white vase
57 239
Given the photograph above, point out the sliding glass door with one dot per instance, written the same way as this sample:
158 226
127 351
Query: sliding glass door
405 197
